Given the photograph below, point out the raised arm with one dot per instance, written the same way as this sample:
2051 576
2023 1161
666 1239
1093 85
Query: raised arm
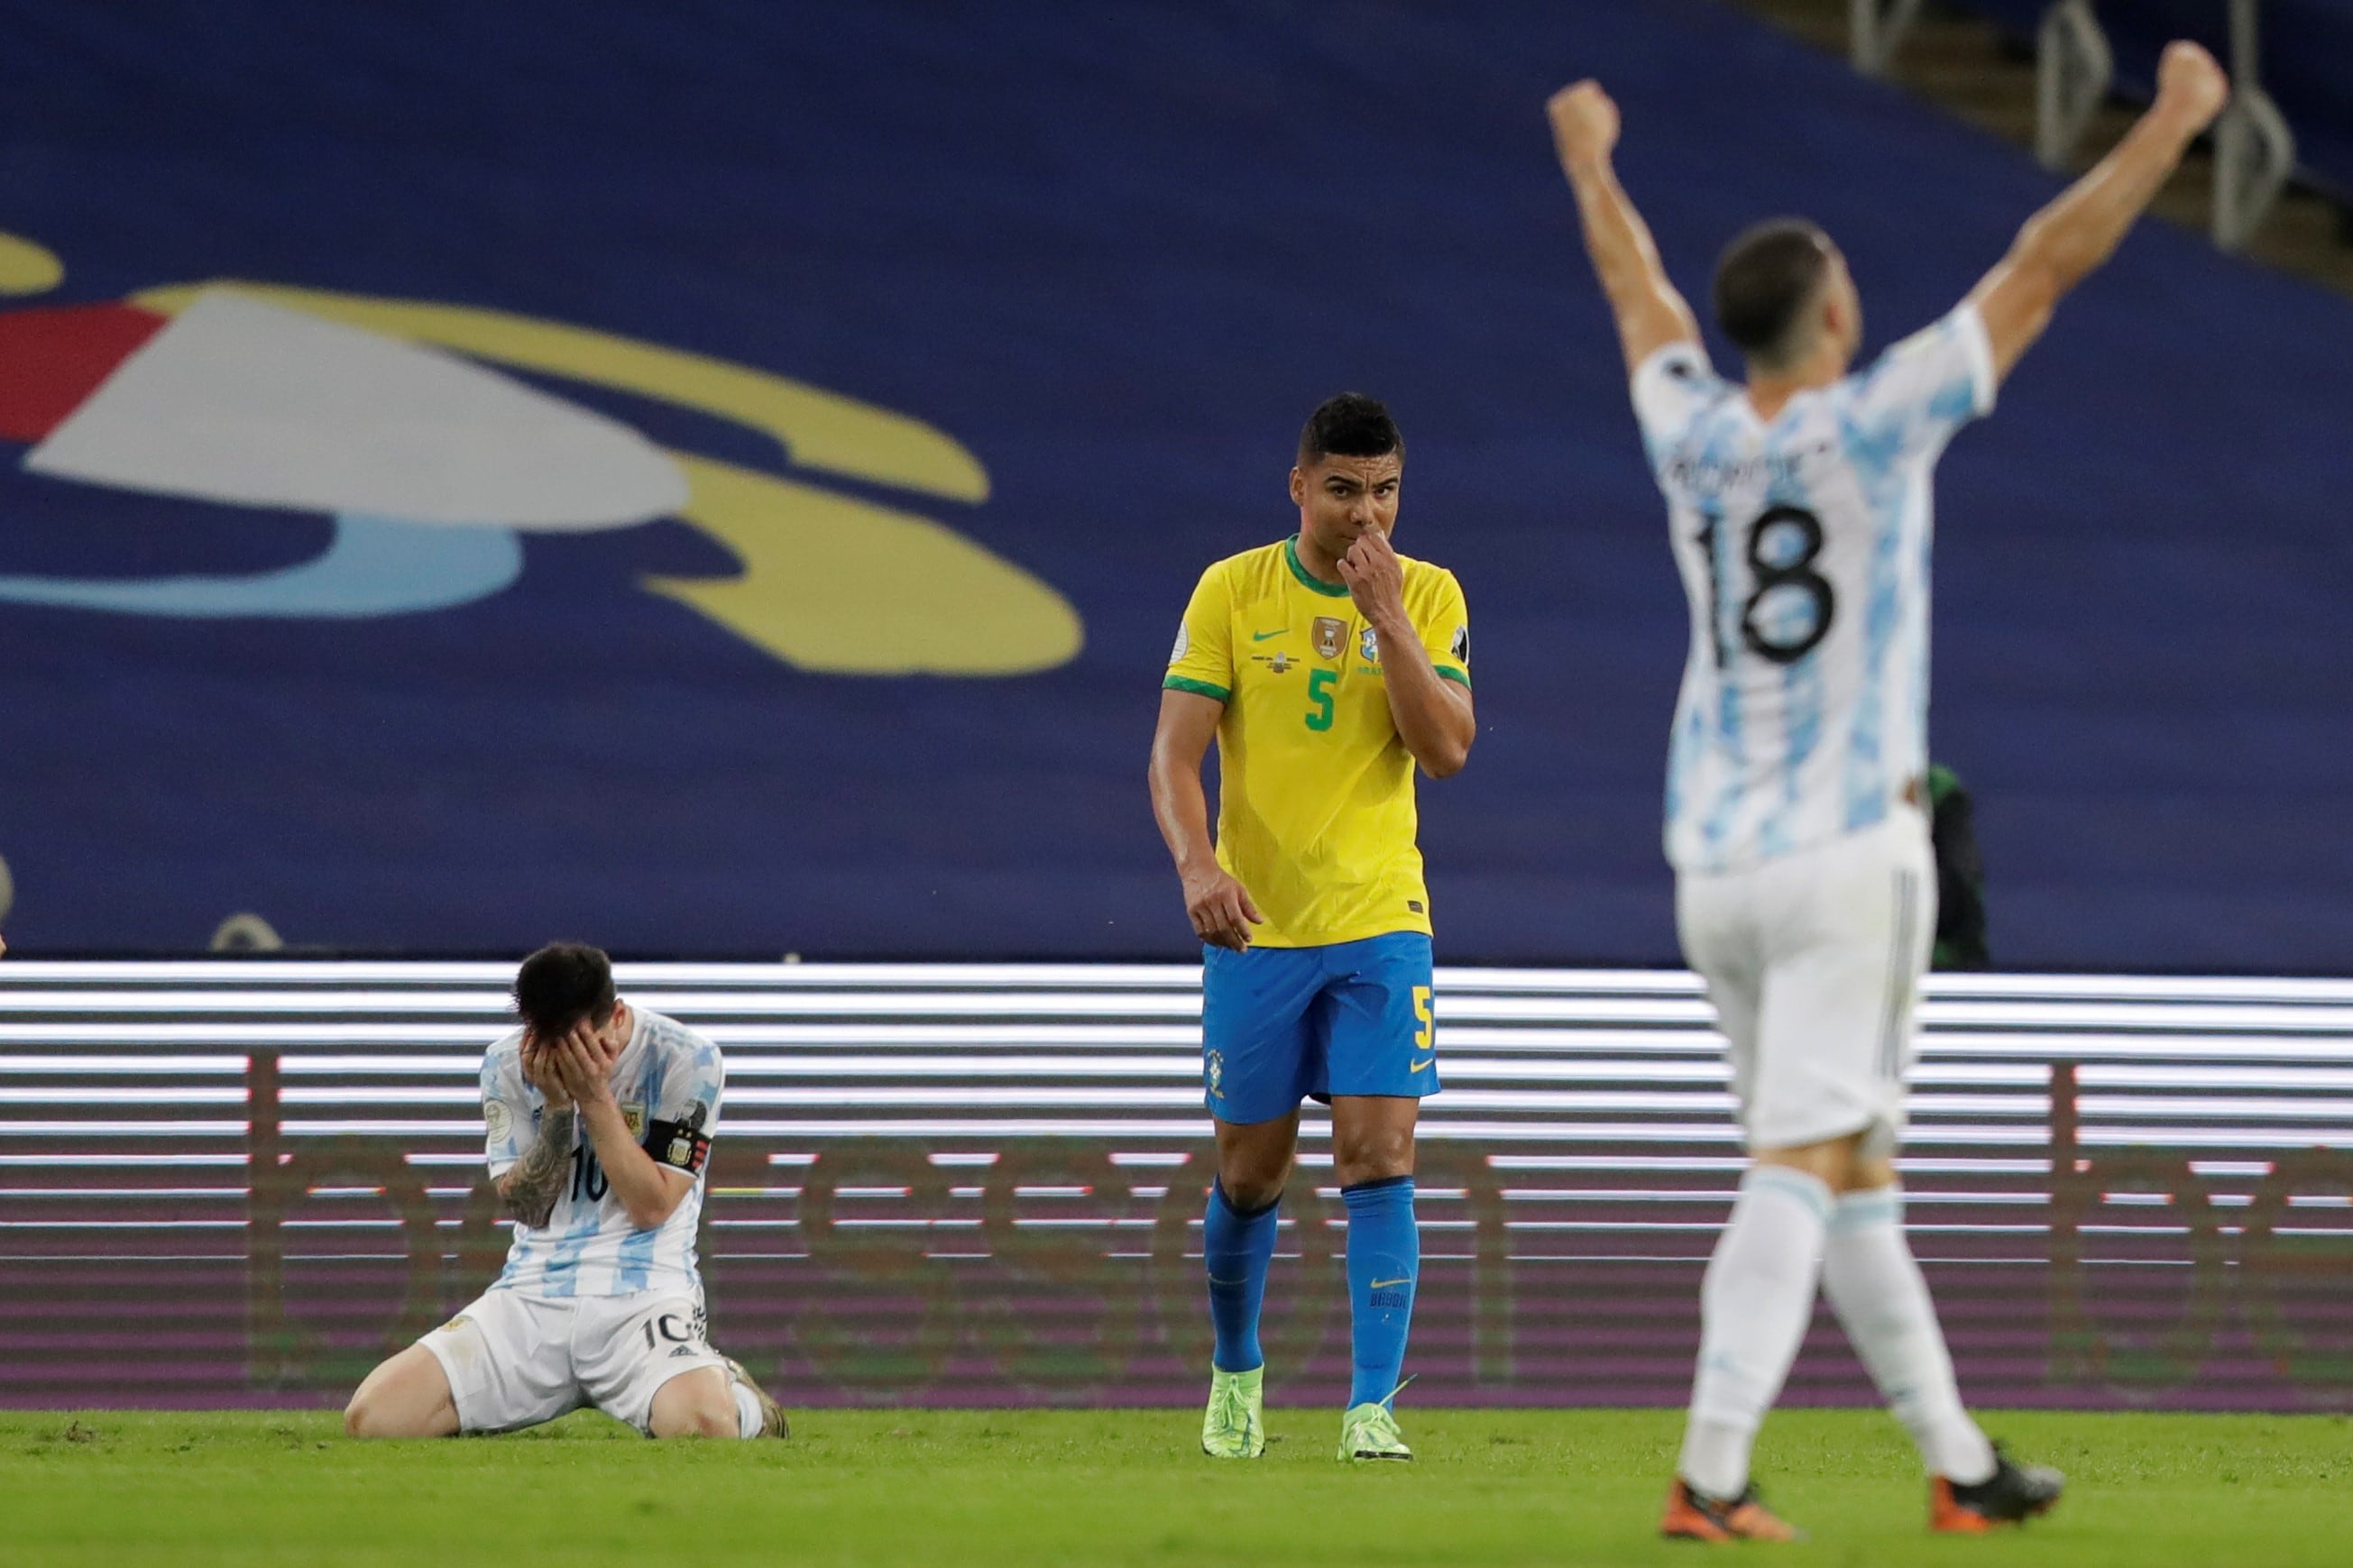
2067 240
1650 314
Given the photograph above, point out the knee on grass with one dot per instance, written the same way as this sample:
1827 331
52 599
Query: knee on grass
367 1416
704 1423
700 1405
702 1418
407 1397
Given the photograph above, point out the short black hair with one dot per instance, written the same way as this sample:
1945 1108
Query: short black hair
1349 425
562 983
1764 280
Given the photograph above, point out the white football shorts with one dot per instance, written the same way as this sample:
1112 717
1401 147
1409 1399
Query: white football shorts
1813 962
515 1361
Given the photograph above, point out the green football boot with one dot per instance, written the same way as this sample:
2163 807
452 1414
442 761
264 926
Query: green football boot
1370 1431
1234 1428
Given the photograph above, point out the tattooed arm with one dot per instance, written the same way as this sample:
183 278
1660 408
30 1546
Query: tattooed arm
529 1190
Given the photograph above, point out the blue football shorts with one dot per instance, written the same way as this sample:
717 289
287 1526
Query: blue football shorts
1279 1025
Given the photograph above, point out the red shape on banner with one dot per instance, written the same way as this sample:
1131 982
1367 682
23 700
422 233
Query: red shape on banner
51 360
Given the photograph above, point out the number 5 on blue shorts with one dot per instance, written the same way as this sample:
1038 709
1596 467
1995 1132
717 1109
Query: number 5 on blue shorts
1281 1024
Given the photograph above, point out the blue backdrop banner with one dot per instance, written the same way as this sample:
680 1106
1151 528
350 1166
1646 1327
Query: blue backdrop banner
722 477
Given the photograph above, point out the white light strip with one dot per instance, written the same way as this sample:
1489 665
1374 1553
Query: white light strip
2162 1016
175 1160
406 1094
461 1046
156 1066
2105 1076
17 999
2147 1105
496 976
157 1129
88 1094
465 1039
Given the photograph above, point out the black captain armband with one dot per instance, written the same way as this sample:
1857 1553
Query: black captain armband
678 1144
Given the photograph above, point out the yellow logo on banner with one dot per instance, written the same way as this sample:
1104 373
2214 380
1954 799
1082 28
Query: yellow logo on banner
829 580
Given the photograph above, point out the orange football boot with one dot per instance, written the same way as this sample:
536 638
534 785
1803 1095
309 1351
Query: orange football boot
1693 1516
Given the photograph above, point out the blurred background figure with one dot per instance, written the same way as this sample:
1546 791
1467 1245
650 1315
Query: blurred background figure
1960 875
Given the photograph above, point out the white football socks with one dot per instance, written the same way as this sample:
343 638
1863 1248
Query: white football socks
1874 1285
747 1412
1755 1304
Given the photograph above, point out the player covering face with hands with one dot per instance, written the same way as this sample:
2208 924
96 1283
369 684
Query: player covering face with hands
598 1118
1326 669
1800 520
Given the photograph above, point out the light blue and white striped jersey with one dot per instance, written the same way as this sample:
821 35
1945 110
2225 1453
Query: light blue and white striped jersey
1803 542
668 1079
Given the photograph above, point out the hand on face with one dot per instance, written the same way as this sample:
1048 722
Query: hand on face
1375 576
583 1058
1584 123
540 1070
573 1066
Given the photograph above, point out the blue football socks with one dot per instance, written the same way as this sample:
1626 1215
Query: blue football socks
1237 1248
1384 1259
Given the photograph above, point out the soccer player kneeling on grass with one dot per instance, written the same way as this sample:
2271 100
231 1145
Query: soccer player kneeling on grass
599 1117
1805 890
1326 667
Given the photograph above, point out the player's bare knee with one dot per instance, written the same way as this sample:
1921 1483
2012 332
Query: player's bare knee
700 1417
1372 1154
1252 1187
1254 1162
367 1415
1372 1138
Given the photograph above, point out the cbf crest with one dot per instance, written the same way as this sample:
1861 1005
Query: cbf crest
1331 636
1370 645
1217 1075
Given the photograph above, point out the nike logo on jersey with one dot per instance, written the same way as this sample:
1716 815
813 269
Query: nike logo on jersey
1261 637
1385 1284
1421 1066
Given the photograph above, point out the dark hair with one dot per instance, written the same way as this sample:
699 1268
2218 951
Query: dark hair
1349 425
562 983
1765 279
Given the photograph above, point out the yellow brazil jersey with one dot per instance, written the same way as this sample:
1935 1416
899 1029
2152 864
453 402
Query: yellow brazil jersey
1316 810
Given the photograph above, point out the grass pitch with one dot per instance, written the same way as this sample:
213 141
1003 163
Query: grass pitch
975 1489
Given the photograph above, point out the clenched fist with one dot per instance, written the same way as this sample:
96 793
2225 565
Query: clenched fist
2191 84
1584 124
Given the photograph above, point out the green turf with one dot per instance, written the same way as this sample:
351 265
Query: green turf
980 1488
